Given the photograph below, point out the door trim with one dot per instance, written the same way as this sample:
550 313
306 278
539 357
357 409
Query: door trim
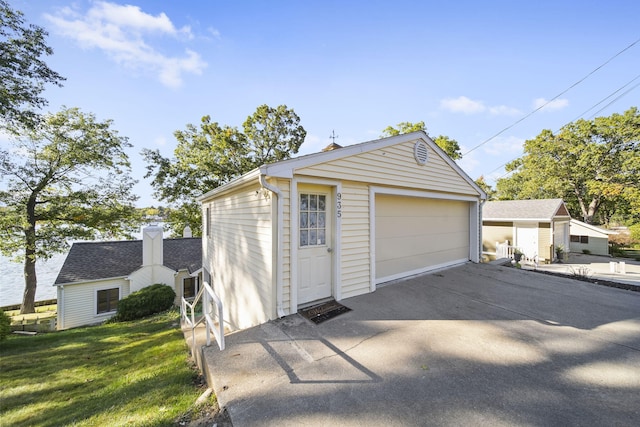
335 188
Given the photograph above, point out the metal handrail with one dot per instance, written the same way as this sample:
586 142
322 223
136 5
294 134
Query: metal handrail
212 315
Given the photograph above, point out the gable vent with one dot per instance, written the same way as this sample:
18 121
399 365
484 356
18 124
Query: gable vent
421 152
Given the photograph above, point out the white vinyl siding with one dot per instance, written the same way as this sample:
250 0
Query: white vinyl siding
545 242
80 302
240 255
598 242
394 166
285 188
355 269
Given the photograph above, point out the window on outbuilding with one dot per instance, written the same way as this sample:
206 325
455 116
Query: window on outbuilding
579 239
108 300
189 287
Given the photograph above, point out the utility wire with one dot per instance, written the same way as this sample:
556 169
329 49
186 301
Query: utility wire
554 98
616 99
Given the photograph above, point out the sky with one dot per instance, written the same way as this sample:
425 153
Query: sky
470 70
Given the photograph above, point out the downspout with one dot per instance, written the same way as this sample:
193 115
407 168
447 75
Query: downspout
279 250
480 206
60 307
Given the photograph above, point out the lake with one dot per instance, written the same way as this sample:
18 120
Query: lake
12 279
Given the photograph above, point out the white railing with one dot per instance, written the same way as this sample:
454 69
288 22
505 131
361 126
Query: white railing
211 315
504 250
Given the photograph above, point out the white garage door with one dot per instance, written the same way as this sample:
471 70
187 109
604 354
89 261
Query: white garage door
415 234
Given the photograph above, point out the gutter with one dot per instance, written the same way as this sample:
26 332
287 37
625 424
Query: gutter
279 251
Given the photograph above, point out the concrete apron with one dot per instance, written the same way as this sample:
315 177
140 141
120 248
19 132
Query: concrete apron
472 345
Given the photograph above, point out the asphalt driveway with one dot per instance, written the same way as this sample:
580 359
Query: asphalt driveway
473 345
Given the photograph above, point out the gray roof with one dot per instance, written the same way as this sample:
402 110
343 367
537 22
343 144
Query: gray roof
88 261
540 209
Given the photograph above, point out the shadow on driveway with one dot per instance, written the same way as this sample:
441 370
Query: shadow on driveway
472 345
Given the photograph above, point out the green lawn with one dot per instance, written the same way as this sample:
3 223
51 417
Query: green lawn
133 373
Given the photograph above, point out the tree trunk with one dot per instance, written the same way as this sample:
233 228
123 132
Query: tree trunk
593 209
30 279
30 283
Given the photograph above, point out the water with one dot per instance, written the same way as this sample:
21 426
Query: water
12 276
12 279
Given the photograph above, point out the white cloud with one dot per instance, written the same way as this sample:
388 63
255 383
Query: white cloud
160 141
465 105
215 33
556 104
462 104
503 110
509 145
121 32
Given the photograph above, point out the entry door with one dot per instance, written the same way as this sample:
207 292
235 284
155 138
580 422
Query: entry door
314 243
527 239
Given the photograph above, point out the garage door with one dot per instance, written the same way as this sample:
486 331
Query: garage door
415 234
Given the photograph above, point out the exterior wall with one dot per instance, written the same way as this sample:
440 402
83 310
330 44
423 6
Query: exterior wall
355 259
150 275
239 255
77 303
598 241
394 166
285 187
495 231
545 242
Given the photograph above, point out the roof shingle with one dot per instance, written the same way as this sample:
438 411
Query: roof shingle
541 209
88 261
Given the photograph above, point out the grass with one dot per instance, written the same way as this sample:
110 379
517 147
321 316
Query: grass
132 373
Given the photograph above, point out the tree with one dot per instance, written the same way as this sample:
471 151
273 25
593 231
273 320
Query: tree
23 74
449 145
594 165
65 179
482 183
213 154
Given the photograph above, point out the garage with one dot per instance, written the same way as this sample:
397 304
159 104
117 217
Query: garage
418 234
335 224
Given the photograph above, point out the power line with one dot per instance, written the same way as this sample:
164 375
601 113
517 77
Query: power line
616 99
554 98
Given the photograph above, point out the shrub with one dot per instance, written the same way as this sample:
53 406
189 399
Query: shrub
5 325
147 301
634 232
586 251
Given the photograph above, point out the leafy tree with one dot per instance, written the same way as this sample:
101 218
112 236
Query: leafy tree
213 154
449 145
23 73
65 179
594 165
491 193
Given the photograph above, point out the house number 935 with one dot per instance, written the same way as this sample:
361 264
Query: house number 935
338 205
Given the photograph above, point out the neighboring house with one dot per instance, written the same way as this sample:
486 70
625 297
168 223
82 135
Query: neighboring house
587 237
336 224
535 227
96 275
